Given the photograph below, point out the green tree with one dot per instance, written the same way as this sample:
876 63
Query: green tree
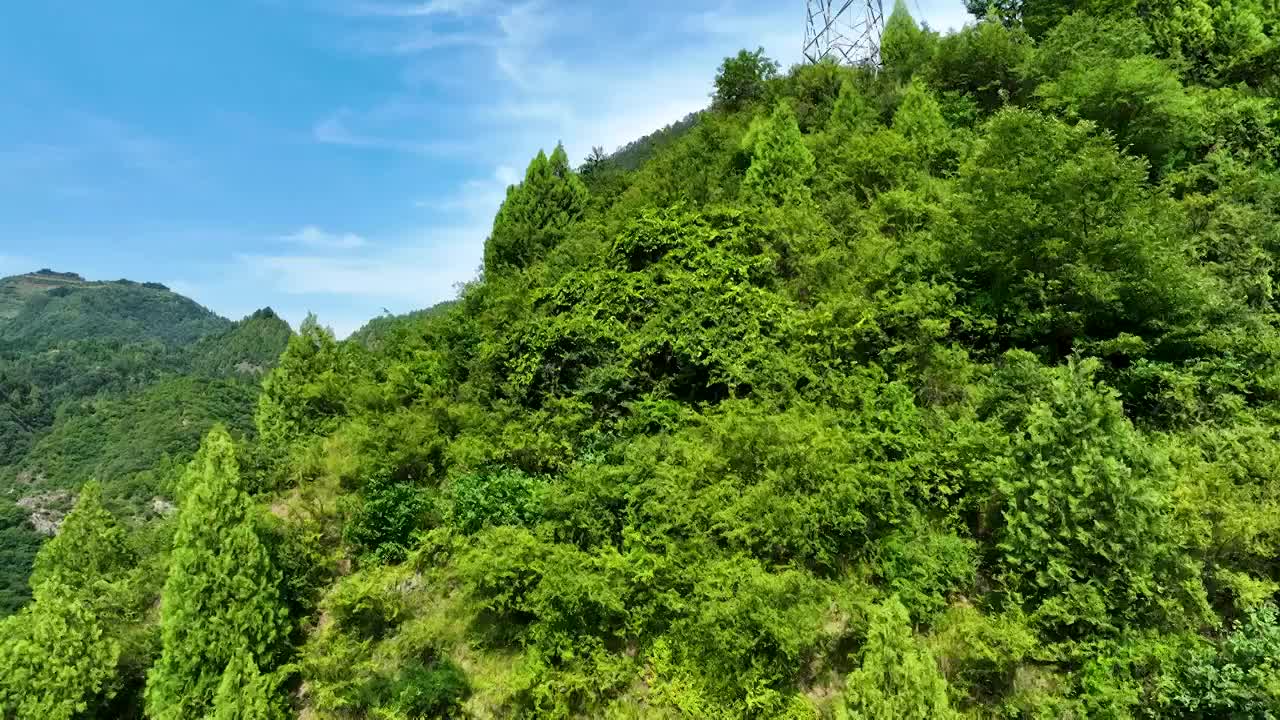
852 112
743 80
1064 239
90 546
919 119
307 390
781 164
1086 540
984 62
536 214
898 676
221 598
905 48
1096 70
244 693
56 658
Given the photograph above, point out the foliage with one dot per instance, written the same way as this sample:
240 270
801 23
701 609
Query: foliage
221 598
55 657
536 214
781 165
1086 537
948 389
905 48
303 395
18 545
244 693
897 676
743 80
90 546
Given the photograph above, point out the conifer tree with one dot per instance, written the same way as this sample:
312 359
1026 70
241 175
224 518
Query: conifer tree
536 214
899 677
920 120
905 48
221 598
781 164
89 547
1087 535
55 657
244 693
852 112
305 390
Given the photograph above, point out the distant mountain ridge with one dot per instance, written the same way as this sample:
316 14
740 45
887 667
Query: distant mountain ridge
40 309
109 380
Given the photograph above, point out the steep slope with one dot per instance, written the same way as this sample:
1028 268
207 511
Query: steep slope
945 389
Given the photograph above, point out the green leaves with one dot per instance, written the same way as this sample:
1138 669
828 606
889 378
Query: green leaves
743 80
1087 540
221 599
536 214
897 676
781 165
90 547
56 656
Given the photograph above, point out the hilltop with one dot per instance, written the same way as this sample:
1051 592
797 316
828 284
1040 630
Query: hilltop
39 310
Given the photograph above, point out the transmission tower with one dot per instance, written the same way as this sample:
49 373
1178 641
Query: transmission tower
847 31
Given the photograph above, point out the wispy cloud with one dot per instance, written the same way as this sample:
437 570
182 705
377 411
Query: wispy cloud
475 200
132 147
315 238
413 270
417 9
87 154
334 130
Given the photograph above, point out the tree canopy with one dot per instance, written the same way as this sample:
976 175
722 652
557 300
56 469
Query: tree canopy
949 388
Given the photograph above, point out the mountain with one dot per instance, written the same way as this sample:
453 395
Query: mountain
111 381
42 309
945 388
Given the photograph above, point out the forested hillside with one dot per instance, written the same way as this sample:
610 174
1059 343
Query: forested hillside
945 389
113 381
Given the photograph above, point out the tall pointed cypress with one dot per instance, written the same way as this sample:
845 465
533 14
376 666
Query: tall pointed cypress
852 112
905 47
221 598
536 214
781 165
55 657
90 547
919 118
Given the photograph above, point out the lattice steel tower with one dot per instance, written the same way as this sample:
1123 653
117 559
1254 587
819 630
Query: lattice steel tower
847 31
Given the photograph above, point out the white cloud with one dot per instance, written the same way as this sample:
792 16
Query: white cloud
315 238
334 130
475 201
408 272
418 9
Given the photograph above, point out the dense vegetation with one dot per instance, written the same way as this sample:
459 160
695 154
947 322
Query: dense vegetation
110 381
947 390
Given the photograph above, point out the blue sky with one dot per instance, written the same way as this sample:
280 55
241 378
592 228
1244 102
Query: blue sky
335 156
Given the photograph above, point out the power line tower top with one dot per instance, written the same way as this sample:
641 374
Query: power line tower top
847 31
